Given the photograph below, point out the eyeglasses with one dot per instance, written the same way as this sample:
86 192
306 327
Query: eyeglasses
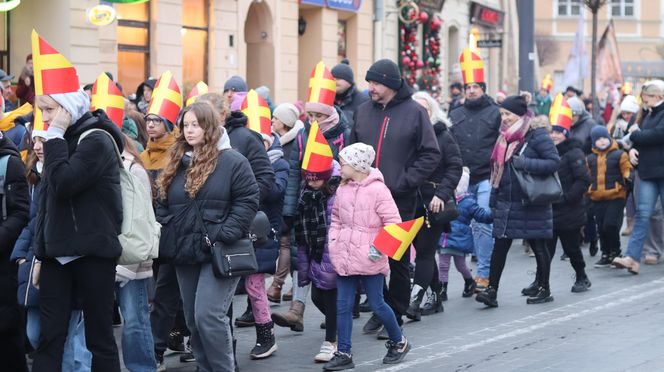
153 121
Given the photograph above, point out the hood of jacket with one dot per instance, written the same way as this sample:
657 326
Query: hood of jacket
235 120
375 175
129 127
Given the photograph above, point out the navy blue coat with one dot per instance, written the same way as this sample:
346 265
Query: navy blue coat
569 213
461 236
511 217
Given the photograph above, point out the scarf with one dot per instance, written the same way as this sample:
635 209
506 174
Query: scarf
510 139
291 134
332 115
346 98
155 156
311 224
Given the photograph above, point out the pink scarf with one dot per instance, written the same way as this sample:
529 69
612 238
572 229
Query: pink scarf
510 139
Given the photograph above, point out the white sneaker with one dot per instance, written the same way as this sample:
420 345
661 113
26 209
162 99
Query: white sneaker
327 350
161 366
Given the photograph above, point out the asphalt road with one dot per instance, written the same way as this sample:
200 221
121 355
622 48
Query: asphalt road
616 326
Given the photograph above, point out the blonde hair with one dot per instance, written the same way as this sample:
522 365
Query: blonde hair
437 114
218 102
204 161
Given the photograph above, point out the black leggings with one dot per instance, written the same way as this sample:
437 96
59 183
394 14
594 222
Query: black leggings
571 243
499 256
326 302
426 244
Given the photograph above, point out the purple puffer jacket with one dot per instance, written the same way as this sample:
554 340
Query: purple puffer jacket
321 275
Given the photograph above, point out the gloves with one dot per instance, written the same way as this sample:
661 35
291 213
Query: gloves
519 162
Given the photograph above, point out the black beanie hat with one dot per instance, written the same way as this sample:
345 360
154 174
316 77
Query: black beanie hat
515 104
385 72
343 71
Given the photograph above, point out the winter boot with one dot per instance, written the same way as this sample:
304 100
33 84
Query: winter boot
531 289
443 292
543 295
246 319
489 297
283 268
468 287
293 318
265 342
414 312
434 302
581 284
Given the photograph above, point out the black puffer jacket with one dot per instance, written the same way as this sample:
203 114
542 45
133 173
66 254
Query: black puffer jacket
511 217
337 137
649 141
447 174
17 209
80 211
228 202
581 131
476 125
250 145
407 152
569 213
349 101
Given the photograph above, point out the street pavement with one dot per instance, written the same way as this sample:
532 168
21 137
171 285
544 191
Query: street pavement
616 326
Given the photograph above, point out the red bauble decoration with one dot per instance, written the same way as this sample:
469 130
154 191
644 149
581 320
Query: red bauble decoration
424 16
420 64
406 61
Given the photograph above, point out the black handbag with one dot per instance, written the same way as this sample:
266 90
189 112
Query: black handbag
230 260
539 190
447 215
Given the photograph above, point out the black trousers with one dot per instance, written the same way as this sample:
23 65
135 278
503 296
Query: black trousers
499 256
92 281
326 302
609 216
571 243
167 311
426 244
12 334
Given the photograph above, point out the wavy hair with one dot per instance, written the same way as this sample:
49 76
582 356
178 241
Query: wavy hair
203 160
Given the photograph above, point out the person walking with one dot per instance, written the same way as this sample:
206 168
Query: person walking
646 154
434 196
205 177
407 153
362 207
79 219
526 149
476 126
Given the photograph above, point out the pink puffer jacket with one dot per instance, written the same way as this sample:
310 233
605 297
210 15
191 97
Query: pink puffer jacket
360 211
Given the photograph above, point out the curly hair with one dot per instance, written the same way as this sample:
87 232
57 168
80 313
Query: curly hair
203 159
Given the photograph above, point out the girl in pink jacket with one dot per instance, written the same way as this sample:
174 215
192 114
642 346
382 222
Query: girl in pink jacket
363 206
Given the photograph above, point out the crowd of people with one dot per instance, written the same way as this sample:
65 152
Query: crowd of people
311 194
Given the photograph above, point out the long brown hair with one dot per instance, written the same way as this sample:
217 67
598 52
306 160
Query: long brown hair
137 117
203 161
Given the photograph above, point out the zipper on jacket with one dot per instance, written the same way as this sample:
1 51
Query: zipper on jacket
383 133
73 215
27 287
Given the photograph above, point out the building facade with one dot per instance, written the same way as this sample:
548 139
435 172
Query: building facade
639 26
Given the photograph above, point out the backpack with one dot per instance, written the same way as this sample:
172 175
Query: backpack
3 174
140 230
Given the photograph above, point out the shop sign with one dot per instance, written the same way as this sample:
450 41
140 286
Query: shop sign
498 43
485 16
432 6
346 5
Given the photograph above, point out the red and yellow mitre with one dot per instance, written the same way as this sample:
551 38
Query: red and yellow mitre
560 114
547 83
53 73
107 96
259 117
472 67
166 99
322 86
199 89
318 158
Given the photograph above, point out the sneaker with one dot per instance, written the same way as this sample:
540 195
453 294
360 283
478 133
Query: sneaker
396 351
161 366
383 335
339 362
481 284
650 260
188 355
543 296
326 353
564 257
605 261
175 341
373 325
266 344
489 297
581 285
627 263
530 290
364 306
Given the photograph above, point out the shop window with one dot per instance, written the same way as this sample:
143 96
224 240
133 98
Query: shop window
133 37
568 8
622 8
194 42
342 31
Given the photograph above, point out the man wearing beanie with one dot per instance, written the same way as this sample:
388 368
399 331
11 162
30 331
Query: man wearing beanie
475 126
582 123
407 152
348 98
234 84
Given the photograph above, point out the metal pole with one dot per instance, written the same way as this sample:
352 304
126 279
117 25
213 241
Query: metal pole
593 73
526 14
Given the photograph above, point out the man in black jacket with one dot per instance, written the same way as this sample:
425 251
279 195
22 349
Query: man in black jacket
476 125
407 152
13 217
348 98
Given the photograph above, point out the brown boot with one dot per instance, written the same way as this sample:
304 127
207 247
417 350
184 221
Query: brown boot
293 318
283 268
288 296
274 292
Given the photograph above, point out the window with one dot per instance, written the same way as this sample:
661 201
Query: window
622 8
133 44
194 42
567 8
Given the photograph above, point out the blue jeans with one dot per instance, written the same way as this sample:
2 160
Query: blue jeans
373 285
647 192
137 343
482 231
76 356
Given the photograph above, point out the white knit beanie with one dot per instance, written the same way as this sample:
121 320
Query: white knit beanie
76 103
287 113
629 104
359 156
